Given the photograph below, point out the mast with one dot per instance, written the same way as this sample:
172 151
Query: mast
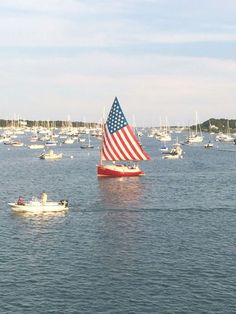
101 145
196 122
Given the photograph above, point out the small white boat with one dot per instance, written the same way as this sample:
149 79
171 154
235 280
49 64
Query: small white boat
86 146
17 144
174 153
37 207
164 148
51 143
68 140
208 145
50 155
36 146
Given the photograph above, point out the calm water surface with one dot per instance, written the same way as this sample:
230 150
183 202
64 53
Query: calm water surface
163 243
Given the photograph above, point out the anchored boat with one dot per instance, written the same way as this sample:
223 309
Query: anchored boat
175 153
50 155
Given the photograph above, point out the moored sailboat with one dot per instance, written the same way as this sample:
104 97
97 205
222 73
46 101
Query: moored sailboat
119 144
195 137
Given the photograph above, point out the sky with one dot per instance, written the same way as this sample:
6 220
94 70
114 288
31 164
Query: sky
163 59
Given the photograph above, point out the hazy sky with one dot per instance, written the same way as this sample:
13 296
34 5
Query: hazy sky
159 57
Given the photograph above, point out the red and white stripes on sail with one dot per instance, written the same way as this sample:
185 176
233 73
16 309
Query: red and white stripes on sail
122 145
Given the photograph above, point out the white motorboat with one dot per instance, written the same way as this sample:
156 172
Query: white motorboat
50 155
51 143
36 146
221 137
174 153
164 148
68 140
37 207
209 145
17 144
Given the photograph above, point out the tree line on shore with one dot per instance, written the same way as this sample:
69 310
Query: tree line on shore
50 124
219 125
211 125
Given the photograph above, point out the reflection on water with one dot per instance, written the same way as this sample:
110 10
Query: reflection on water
121 192
40 216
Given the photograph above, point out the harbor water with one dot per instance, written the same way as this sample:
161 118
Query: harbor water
161 243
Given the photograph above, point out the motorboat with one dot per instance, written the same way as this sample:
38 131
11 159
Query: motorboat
17 144
221 137
51 143
86 146
38 207
36 146
175 153
164 148
68 140
209 145
50 155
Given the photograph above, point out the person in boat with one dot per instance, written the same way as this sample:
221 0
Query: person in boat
20 201
44 198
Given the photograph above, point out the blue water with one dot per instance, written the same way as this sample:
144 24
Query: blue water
162 243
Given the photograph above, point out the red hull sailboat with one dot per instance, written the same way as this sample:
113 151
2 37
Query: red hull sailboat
119 144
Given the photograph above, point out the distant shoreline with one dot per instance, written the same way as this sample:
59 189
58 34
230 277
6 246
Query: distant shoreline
213 125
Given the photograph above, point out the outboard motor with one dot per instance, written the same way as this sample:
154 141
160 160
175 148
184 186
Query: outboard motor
64 202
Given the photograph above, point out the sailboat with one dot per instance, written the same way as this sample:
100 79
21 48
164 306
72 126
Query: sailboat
119 144
209 144
87 145
195 137
225 137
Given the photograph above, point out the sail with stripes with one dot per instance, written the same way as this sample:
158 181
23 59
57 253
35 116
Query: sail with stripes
119 140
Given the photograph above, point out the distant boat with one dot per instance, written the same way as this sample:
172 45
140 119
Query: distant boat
34 138
87 145
209 145
36 146
225 137
17 144
51 143
68 140
195 137
164 148
119 143
164 133
175 153
50 155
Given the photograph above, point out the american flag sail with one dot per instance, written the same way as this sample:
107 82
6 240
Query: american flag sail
119 140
